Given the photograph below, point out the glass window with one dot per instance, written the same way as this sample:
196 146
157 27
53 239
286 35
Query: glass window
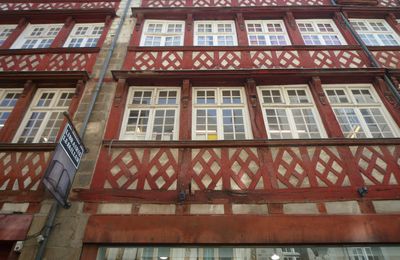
219 114
163 33
45 116
320 32
5 31
359 112
8 99
267 32
375 32
37 36
289 112
240 252
215 33
151 114
85 35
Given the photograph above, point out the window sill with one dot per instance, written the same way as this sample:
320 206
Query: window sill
49 50
251 143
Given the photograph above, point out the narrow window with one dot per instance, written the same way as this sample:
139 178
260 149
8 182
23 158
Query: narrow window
45 116
320 32
359 112
220 114
375 32
289 112
5 31
215 33
163 33
37 36
84 35
151 114
267 32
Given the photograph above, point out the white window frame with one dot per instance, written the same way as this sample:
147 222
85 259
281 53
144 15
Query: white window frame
27 35
164 34
152 107
352 104
33 108
8 109
5 31
317 31
375 33
219 106
266 33
214 32
84 36
288 107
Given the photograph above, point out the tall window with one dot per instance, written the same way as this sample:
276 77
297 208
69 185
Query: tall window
375 32
289 112
163 33
8 99
45 116
219 113
85 35
37 36
267 32
215 33
320 32
5 31
151 114
359 111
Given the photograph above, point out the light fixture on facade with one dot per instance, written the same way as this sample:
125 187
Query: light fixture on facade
163 257
275 257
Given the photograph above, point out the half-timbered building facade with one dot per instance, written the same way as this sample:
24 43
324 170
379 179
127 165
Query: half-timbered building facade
216 129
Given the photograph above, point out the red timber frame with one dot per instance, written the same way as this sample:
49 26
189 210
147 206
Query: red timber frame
30 159
55 58
272 182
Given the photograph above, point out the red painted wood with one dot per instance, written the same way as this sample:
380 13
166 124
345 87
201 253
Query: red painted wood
185 114
391 19
243 229
62 35
325 110
340 24
14 227
255 111
23 23
292 29
107 26
117 111
137 32
387 99
11 126
89 252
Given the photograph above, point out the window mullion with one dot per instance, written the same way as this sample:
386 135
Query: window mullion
362 121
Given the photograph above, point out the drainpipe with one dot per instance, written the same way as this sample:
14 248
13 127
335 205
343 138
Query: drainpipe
44 237
370 57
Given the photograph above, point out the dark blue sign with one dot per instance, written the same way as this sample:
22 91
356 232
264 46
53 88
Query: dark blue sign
62 168
72 145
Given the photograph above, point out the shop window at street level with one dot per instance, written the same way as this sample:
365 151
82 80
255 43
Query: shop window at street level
163 33
43 120
220 114
267 32
375 32
289 112
215 33
359 112
151 114
320 32
85 35
37 36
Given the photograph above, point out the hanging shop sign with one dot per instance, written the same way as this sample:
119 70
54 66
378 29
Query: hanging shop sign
62 168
